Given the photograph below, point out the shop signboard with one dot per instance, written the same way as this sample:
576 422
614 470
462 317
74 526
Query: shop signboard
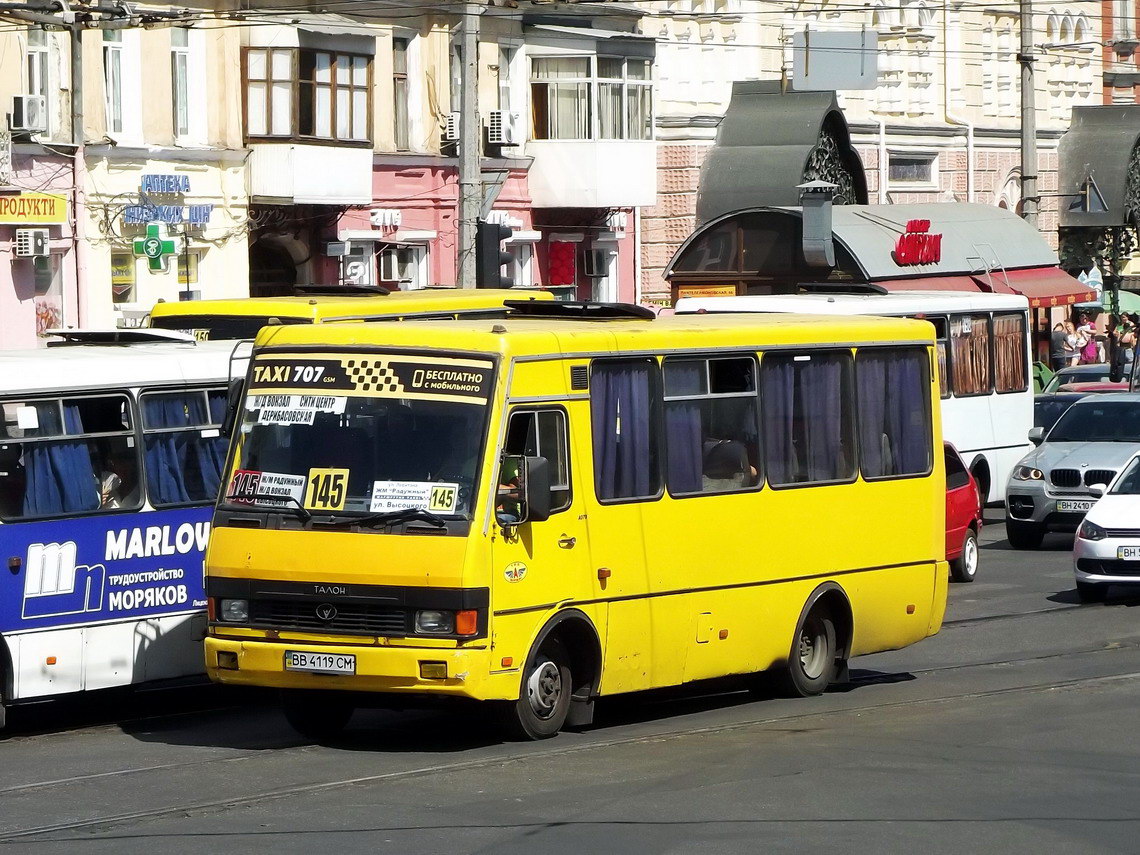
33 209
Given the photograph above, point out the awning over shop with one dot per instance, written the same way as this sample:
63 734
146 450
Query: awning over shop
1047 286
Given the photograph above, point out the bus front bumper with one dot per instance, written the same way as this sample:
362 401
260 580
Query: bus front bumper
384 670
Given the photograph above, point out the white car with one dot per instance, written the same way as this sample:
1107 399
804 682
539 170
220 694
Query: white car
1107 547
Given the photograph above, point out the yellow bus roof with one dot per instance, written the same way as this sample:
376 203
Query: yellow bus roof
521 336
324 307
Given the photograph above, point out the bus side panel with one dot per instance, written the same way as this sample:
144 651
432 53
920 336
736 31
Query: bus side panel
133 571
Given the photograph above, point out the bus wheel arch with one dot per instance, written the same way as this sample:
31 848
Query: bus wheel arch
980 469
568 640
824 629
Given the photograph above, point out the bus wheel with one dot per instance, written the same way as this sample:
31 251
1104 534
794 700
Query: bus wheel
812 661
316 715
544 699
965 567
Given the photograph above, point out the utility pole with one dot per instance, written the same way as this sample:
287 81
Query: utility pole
1028 117
470 143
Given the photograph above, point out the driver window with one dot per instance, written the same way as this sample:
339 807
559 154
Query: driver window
542 433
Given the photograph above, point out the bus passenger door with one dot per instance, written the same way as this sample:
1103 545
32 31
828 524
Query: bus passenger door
537 564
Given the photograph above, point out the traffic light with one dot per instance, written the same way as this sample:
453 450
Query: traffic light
490 257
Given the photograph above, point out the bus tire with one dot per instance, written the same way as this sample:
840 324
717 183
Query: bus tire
813 659
318 716
965 567
1023 535
544 696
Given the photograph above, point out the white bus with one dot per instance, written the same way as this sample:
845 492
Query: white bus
984 363
110 460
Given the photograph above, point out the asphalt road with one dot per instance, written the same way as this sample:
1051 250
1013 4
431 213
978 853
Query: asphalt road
1013 730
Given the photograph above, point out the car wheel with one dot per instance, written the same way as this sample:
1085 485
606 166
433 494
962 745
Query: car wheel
1090 592
965 566
812 661
544 697
318 716
1023 535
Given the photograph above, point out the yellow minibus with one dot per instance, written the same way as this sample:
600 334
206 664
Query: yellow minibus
574 502
242 317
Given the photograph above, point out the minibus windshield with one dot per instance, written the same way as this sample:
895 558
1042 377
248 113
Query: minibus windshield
404 435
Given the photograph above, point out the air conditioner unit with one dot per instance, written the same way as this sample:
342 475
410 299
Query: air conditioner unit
595 263
31 243
29 113
451 129
503 128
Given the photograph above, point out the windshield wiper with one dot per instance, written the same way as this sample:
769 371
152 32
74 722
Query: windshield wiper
402 515
301 511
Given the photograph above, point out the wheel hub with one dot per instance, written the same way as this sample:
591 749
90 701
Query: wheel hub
544 688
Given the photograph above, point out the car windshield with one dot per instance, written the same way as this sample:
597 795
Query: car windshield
1083 374
1046 413
383 434
1128 484
1103 421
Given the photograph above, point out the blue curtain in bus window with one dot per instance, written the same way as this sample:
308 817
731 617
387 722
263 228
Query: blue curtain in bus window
779 400
683 445
894 430
60 478
620 412
821 398
207 453
164 464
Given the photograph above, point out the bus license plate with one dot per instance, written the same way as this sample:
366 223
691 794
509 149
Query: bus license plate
1074 506
1128 553
320 663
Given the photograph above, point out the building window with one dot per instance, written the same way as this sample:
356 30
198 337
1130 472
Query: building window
180 77
912 169
122 277
188 267
113 79
300 93
38 63
404 265
1123 22
567 92
507 55
400 92
522 267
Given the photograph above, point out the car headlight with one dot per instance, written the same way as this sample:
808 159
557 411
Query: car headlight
234 611
431 622
1028 473
1091 531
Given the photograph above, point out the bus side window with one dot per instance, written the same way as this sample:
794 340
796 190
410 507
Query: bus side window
893 389
711 425
1010 371
625 412
185 451
970 354
542 433
809 429
66 457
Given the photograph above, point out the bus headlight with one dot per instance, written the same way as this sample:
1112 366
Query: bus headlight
234 611
435 622
1028 473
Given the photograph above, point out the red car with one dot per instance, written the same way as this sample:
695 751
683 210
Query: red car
963 518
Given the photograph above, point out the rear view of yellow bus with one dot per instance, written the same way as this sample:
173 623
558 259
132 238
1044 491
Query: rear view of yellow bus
576 502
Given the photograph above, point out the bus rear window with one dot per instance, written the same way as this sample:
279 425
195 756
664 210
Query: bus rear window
219 327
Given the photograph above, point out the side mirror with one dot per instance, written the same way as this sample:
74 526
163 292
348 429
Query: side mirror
1098 490
233 405
1037 435
524 490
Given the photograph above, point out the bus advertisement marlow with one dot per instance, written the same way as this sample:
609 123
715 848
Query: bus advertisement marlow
539 511
111 457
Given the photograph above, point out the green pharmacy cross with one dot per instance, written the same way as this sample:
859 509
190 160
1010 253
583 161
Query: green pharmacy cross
156 246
